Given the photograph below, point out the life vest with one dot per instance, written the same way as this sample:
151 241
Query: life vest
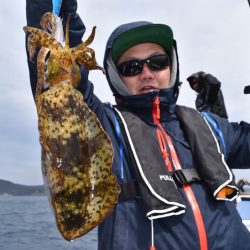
156 184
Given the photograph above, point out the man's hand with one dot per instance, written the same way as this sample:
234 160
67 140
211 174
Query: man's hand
195 81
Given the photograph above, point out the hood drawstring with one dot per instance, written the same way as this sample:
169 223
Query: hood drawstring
156 112
152 247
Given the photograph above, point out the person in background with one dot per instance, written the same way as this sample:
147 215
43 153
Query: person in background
209 95
175 175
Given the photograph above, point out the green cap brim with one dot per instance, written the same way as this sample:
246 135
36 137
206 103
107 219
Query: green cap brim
153 33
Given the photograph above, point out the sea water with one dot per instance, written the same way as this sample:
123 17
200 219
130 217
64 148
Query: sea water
27 223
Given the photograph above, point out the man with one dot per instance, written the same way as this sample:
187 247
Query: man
209 95
176 186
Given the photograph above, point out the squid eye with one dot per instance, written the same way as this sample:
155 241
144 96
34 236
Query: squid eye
45 67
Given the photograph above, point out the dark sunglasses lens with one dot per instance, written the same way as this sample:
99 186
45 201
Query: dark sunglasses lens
130 68
134 67
158 62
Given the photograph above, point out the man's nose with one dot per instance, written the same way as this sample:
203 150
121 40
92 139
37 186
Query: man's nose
146 72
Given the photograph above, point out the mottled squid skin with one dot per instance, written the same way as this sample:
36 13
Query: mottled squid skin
77 154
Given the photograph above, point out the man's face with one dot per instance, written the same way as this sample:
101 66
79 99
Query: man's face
148 80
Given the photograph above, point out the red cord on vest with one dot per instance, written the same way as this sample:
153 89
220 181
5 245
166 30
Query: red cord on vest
190 196
163 148
162 136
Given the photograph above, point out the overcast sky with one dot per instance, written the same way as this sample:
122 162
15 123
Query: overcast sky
212 36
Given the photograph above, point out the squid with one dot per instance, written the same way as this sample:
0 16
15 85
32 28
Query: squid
76 153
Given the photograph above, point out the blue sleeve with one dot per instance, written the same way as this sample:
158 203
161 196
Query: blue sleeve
237 141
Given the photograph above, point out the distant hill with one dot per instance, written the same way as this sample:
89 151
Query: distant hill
10 188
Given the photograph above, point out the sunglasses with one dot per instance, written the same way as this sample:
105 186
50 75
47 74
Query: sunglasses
135 66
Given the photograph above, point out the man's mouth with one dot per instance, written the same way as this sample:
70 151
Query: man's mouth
149 88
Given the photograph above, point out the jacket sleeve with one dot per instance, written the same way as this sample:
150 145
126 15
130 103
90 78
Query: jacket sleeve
237 141
239 145
34 11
